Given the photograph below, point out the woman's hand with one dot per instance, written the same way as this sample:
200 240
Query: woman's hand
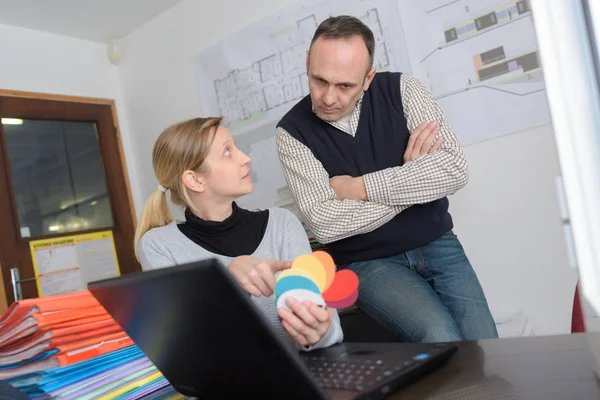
308 322
255 275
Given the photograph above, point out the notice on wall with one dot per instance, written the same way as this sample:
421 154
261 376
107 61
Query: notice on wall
66 264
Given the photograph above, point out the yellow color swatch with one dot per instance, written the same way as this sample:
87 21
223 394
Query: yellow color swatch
295 272
312 266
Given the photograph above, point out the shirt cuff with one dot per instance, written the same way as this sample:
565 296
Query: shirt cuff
333 336
377 189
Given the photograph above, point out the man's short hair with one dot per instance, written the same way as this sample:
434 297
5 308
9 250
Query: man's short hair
344 27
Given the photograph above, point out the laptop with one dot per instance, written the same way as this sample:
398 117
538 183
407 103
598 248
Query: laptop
202 331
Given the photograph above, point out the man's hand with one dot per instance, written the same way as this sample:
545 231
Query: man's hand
255 275
308 322
348 188
422 141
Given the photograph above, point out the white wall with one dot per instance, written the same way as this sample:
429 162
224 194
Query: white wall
157 74
47 63
507 216
508 220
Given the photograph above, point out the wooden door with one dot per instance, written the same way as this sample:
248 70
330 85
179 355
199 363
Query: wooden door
61 174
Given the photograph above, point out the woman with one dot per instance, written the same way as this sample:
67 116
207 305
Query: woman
198 163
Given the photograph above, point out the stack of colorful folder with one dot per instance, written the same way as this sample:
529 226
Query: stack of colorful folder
68 347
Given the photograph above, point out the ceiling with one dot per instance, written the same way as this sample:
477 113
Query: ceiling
94 20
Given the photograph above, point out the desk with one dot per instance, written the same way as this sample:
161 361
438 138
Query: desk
544 367
533 368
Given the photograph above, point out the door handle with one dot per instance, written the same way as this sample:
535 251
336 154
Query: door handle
16 280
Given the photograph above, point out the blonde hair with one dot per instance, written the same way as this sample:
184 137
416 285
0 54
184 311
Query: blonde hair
180 147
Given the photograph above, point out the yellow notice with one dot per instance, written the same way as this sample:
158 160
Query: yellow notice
66 264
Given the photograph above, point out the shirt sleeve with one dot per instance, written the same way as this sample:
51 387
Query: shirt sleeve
297 244
430 176
152 255
329 218
333 336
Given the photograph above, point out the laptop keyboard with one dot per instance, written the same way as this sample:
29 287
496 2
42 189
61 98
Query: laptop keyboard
354 375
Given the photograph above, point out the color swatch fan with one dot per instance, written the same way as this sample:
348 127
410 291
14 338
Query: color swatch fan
313 277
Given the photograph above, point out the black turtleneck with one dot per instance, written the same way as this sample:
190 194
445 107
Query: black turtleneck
240 234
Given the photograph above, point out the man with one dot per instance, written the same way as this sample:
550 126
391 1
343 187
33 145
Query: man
370 161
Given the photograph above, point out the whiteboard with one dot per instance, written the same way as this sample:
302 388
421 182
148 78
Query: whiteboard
478 58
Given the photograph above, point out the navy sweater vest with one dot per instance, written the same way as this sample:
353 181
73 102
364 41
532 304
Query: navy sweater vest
380 141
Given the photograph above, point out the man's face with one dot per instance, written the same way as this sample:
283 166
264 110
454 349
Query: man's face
338 73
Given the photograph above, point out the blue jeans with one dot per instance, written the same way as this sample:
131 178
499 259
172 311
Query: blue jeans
429 294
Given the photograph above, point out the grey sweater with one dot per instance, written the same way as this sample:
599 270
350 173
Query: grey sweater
284 240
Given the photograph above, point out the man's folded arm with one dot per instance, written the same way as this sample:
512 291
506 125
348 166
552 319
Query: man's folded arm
329 218
430 176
